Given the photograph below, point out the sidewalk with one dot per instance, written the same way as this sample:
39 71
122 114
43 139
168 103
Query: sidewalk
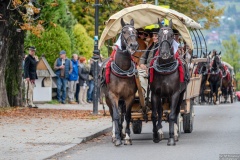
40 133
71 106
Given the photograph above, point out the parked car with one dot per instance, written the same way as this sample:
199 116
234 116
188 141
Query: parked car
238 95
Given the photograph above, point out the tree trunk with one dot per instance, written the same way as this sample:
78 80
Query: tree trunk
4 14
11 55
14 68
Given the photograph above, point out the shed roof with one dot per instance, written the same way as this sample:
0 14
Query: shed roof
44 65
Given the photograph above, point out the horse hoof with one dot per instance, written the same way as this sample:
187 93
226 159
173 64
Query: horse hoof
176 138
113 139
118 142
171 142
123 136
156 138
161 137
127 142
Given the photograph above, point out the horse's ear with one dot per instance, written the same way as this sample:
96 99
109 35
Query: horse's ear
132 22
122 22
209 53
204 54
170 23
220 53
159 23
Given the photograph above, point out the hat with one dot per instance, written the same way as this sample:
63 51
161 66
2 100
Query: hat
155 30
142 32
175 31
82 59
32 48
62 52
148 31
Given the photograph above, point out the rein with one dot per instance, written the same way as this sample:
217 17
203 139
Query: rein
117 71
164 68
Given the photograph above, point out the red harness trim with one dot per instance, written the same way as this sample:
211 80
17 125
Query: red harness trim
108 67
228 73
180 67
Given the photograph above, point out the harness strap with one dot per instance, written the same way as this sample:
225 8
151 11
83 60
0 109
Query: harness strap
109 67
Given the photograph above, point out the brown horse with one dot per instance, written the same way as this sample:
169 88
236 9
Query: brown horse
120 91
142 46
226 87
166 84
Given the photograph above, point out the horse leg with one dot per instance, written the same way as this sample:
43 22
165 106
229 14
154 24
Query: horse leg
172 118
108 102
217 87
159 124
122 122
129 103
116 117
177 114
154 101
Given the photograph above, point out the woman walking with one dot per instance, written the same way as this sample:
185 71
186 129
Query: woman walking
84 71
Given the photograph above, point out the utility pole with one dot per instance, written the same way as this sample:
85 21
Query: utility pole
96 55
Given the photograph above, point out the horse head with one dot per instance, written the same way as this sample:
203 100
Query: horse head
204 67
165 40
129 36
216 63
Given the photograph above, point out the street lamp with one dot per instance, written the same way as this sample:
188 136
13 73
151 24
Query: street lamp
96 54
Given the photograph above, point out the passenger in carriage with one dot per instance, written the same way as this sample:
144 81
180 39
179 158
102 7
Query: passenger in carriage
148 39
142 34
146 59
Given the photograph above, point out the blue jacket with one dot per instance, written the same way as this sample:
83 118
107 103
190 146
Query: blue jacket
74 75
66 69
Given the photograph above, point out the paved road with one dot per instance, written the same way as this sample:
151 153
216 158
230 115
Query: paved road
216 131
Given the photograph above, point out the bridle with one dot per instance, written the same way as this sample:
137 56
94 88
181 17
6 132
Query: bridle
133 32
165 32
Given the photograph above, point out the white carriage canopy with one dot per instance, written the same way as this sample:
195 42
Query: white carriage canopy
147 14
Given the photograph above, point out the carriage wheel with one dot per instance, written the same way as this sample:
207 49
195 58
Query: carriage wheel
137 126
188 120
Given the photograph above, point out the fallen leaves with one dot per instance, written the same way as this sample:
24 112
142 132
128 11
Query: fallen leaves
50 113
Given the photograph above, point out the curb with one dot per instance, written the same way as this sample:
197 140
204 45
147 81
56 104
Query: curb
82 140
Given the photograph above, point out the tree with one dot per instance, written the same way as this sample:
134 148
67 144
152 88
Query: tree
232 54
17 16
51 42
196 9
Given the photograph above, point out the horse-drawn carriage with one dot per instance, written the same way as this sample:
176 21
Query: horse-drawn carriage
141 109
219 85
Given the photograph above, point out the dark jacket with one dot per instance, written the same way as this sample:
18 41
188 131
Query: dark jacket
30 67
83 74
67 68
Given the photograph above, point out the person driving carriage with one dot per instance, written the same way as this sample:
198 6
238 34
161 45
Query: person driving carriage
146 58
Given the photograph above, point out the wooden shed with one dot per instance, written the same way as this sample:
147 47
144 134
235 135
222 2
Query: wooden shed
43 90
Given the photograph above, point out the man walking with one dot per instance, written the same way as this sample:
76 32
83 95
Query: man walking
30 75
63 67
